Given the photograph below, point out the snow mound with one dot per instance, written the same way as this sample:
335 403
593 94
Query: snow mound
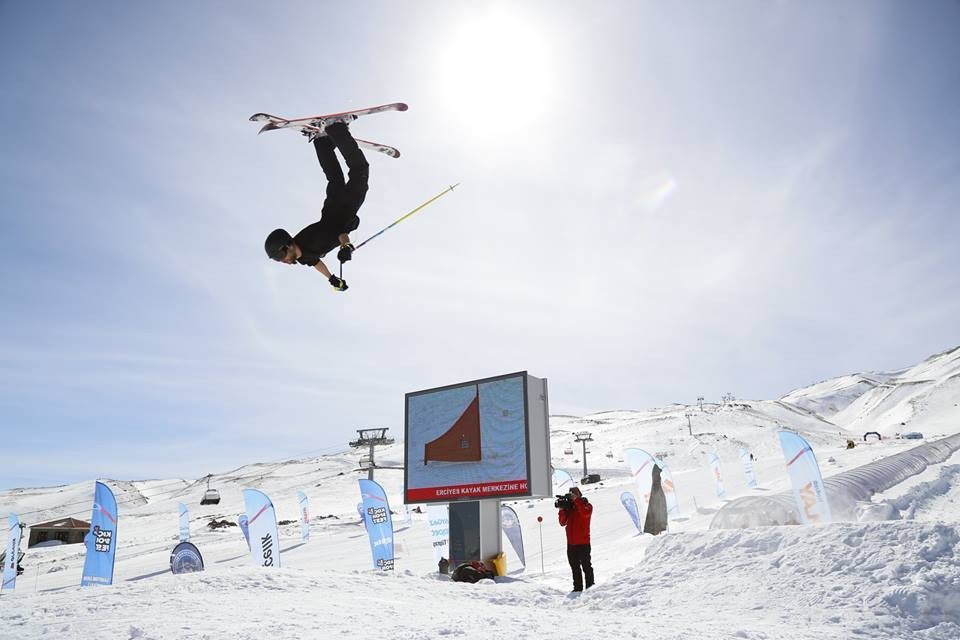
872 578
917 499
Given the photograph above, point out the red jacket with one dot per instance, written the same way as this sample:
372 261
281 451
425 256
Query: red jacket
577 521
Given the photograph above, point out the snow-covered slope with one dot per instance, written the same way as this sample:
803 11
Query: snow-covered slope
877 580
885 579
920 398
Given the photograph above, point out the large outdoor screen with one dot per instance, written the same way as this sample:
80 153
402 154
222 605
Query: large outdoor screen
480 439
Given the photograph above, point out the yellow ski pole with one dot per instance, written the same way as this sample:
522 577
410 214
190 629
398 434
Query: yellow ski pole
407 215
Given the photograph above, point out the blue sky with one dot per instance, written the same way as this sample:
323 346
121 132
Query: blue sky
658 201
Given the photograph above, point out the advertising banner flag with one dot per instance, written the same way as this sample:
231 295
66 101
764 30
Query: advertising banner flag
562 481
363 516
630 504
747 461
808 491
244 527
438 516
304 515
185 558
184 522
262 523
641 466
379 524
669 491
12 549
717 475
101 541
510 524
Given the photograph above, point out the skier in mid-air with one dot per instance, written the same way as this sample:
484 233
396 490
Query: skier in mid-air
339 214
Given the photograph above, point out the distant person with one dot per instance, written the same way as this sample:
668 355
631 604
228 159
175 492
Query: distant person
339 214
574 515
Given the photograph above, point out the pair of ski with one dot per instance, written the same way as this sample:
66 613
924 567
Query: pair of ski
315 126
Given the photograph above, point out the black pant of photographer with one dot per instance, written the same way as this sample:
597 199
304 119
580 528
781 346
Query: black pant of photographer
578 555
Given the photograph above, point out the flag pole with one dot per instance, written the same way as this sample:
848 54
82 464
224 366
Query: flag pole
540 522
407 215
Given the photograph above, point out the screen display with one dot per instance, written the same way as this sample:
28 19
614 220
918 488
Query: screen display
468 441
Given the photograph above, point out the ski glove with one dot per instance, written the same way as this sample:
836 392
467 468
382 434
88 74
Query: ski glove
338 283
345 253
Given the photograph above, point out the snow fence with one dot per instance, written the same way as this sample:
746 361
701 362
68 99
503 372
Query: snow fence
849 492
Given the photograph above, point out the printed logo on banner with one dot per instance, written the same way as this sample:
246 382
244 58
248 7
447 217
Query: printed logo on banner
102 539
811 494
185 558
266 545
378 515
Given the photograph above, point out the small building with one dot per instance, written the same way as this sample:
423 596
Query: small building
65 530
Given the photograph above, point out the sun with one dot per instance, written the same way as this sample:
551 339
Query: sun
497 64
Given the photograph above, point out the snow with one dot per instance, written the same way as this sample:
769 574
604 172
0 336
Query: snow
895 574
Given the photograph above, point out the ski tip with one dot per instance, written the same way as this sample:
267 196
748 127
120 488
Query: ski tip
267 127
454 186
402 106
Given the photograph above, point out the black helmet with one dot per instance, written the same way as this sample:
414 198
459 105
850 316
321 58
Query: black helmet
276 242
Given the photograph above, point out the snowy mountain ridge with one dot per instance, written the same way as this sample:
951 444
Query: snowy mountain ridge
890 402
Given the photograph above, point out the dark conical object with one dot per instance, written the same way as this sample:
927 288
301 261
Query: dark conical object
656 521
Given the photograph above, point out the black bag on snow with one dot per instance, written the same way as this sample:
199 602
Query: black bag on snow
471 572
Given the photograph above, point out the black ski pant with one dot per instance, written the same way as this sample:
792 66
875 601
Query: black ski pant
344 197
578 555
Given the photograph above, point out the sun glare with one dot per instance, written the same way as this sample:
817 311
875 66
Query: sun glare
498 64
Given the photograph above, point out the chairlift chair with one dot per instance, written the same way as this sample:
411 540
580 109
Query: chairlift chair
210 496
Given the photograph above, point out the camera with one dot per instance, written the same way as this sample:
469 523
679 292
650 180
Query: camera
564 502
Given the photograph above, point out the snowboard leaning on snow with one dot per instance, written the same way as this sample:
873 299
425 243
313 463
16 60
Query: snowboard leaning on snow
315 126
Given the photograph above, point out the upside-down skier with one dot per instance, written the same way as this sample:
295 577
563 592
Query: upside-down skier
339 214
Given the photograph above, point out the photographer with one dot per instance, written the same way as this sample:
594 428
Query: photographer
575 514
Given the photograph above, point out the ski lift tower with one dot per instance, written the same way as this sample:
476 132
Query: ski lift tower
370 438
585 437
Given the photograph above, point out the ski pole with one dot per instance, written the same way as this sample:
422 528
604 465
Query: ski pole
407 215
